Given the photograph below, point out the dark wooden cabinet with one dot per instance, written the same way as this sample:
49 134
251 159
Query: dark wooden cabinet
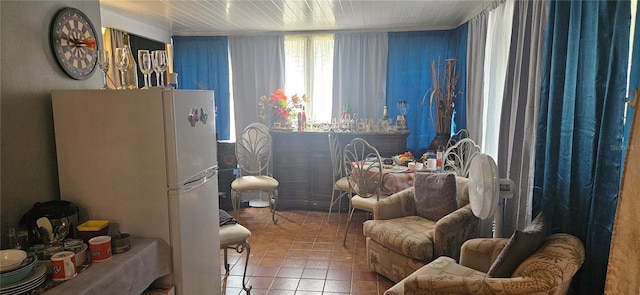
302 164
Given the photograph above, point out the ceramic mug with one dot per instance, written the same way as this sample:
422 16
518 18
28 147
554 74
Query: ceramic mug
63 265
100 247
431 164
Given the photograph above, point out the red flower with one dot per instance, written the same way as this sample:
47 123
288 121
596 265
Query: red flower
277 104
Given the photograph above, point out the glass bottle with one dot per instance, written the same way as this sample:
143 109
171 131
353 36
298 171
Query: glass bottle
385 114
13 238
131 75
303 120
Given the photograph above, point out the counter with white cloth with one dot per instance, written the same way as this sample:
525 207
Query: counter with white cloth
130 272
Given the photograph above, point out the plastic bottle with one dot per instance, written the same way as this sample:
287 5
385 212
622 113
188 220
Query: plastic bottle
131 75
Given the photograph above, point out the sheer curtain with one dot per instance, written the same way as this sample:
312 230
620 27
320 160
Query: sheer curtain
499 23
580 125
257 66
516 151
476 42
309 63
360 73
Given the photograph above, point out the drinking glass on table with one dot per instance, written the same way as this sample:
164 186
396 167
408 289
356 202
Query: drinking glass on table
144 62
103 63
122 63
161 64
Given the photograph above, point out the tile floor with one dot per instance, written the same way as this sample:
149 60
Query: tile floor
302 254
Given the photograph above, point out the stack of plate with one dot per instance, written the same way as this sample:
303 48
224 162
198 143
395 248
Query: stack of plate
32 281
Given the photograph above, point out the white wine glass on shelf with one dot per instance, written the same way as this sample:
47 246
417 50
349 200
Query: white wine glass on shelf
122 63
162 64
144 63
156 66
103 63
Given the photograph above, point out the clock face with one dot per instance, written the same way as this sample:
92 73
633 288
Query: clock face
74 42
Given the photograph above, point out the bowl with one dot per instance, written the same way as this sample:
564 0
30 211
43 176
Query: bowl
20 273
10 259
81 254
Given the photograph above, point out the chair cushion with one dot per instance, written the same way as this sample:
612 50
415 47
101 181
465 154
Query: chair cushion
435 194
410 236
260 182
342 184
366 203
519 247
233 234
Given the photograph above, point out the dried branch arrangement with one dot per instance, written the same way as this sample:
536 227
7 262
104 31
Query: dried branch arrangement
443 94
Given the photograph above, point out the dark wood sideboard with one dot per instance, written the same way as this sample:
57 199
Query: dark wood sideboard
302 164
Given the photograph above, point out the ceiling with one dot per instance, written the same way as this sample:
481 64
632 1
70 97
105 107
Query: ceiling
237 17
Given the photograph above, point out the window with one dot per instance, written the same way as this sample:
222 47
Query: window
309 70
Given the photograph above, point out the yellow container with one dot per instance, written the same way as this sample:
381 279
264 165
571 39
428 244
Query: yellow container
93 228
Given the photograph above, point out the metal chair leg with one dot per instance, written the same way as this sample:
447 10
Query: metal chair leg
344 241
273 203
240 247
226 263
247 246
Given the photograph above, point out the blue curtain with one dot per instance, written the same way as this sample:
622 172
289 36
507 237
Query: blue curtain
409 78
577 169
203 63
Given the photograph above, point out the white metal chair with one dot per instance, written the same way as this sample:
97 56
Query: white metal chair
457 158
234 236
460 134
340 186
363 165
253 153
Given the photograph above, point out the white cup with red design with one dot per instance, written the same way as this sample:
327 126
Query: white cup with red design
63 265
100 247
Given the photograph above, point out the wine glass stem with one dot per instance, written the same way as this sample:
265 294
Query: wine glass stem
162 78
122 80
105 80
146 81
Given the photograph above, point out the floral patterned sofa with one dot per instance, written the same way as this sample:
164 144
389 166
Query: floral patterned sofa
548 270
399 242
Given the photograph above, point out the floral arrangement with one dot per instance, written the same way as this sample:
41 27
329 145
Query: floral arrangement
278 106
443 95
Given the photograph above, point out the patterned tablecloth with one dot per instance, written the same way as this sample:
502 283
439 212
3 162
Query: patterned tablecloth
397 178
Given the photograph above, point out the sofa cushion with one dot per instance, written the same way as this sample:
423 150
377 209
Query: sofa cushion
435 194
411 236
520 246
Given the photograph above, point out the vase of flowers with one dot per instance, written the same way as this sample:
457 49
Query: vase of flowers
278 111
442 100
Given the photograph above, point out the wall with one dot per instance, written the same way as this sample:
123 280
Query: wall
28 72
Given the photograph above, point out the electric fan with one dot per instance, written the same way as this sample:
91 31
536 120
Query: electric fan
486 190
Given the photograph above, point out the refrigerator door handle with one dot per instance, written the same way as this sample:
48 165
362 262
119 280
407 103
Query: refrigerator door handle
199 179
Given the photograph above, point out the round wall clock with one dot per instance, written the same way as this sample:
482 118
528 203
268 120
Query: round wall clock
74 43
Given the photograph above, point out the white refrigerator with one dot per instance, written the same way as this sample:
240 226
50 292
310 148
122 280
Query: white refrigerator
146 160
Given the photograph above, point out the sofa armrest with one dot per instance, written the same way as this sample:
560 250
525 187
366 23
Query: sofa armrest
453 230
449 284
480 254
397 205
